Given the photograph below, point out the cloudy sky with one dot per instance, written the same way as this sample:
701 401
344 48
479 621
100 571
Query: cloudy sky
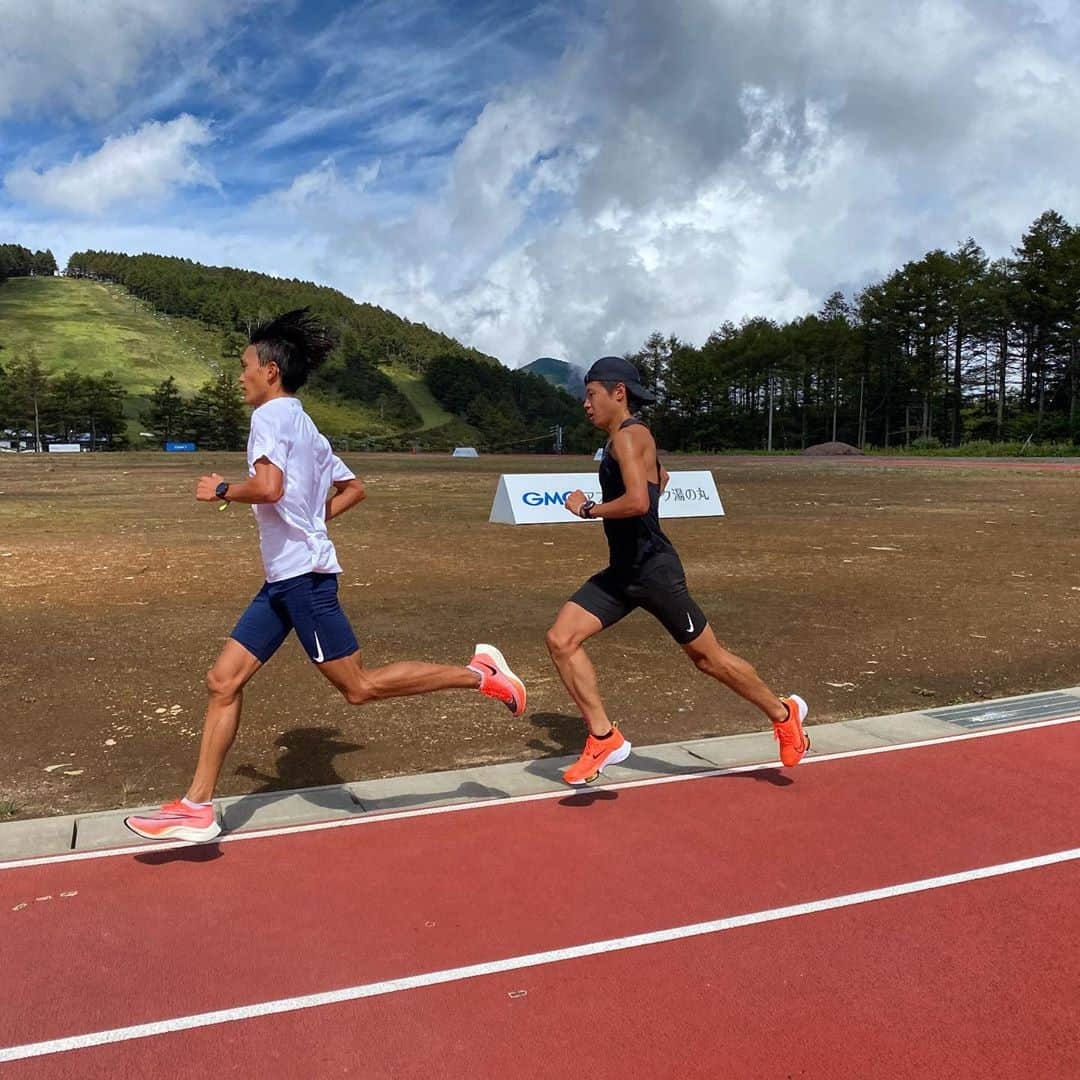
541 179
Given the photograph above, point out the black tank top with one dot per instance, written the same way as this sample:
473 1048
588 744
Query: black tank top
633 540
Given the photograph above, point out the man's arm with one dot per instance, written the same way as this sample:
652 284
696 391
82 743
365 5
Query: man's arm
266 486
630 452
347 494
665 476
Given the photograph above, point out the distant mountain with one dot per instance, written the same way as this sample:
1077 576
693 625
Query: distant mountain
559 373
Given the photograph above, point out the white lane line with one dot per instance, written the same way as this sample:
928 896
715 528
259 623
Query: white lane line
529 960
374 817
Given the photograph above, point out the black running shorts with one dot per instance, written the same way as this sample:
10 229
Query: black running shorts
658 586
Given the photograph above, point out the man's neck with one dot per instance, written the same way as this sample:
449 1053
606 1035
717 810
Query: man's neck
618 422
274 397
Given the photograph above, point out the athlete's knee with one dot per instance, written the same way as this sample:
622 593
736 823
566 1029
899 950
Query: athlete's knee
360 691
560 642
716 665
222 684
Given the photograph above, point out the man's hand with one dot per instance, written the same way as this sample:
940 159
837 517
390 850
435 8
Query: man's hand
346 494
575 501
207 485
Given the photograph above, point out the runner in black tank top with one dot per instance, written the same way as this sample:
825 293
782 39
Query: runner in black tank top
644 571
631 541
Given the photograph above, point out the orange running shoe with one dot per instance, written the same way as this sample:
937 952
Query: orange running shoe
176 821
794 742
598 754
496 678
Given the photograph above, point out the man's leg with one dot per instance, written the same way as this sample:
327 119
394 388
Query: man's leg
572 628
488 672
605 744
711 658
225 681
787 714
663 593
192 818
359 685
327 637
255 638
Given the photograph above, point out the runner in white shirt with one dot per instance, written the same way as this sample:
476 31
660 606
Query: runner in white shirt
295 485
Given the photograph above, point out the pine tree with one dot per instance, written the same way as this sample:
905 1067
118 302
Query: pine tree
166 413
27 384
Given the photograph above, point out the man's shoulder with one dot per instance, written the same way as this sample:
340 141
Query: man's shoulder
636 435
637 439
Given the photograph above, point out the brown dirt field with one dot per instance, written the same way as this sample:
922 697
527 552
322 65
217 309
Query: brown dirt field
867 587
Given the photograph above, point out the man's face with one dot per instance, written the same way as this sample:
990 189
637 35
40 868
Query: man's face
602 404
256 380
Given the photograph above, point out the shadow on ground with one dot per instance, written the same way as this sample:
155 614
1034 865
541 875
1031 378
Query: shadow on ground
307 764
307 760
564 735
306 768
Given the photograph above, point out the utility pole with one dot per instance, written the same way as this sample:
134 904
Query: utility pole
862 430
770 411
835 400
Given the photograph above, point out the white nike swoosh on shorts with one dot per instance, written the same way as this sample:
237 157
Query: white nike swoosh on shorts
690 623
318 648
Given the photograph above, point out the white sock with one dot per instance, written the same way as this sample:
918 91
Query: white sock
477 671
195 805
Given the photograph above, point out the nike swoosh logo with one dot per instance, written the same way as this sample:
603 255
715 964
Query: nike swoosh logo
318 648
493 670
689 623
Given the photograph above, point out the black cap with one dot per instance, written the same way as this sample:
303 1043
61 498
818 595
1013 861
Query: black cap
616 369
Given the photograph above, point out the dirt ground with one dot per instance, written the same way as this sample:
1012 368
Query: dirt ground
867 588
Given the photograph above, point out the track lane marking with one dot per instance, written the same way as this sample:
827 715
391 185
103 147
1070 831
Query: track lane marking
529 960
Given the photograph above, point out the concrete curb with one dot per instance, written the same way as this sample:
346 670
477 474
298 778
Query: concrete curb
105 829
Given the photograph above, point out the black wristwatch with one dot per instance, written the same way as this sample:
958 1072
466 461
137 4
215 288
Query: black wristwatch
222 490
586 509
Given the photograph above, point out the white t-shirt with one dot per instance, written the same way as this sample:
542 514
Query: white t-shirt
292 531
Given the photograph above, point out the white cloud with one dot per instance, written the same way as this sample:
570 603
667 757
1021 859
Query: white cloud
322 187
739 159
77 56
685 162
141 167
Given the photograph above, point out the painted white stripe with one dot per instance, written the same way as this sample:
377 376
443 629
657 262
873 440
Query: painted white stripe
375 818
529 960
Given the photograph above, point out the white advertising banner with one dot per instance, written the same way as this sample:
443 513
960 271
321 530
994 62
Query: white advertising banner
539 498
64 448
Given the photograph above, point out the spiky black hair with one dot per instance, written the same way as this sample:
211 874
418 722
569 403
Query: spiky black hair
296 341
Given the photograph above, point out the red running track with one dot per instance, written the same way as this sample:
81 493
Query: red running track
979 978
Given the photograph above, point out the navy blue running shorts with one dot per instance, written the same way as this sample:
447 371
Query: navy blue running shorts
307 604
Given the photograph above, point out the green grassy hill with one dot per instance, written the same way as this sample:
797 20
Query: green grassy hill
91 327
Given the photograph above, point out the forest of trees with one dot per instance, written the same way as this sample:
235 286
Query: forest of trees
512 410
70 407
63 406
949 348
214 419
18 261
